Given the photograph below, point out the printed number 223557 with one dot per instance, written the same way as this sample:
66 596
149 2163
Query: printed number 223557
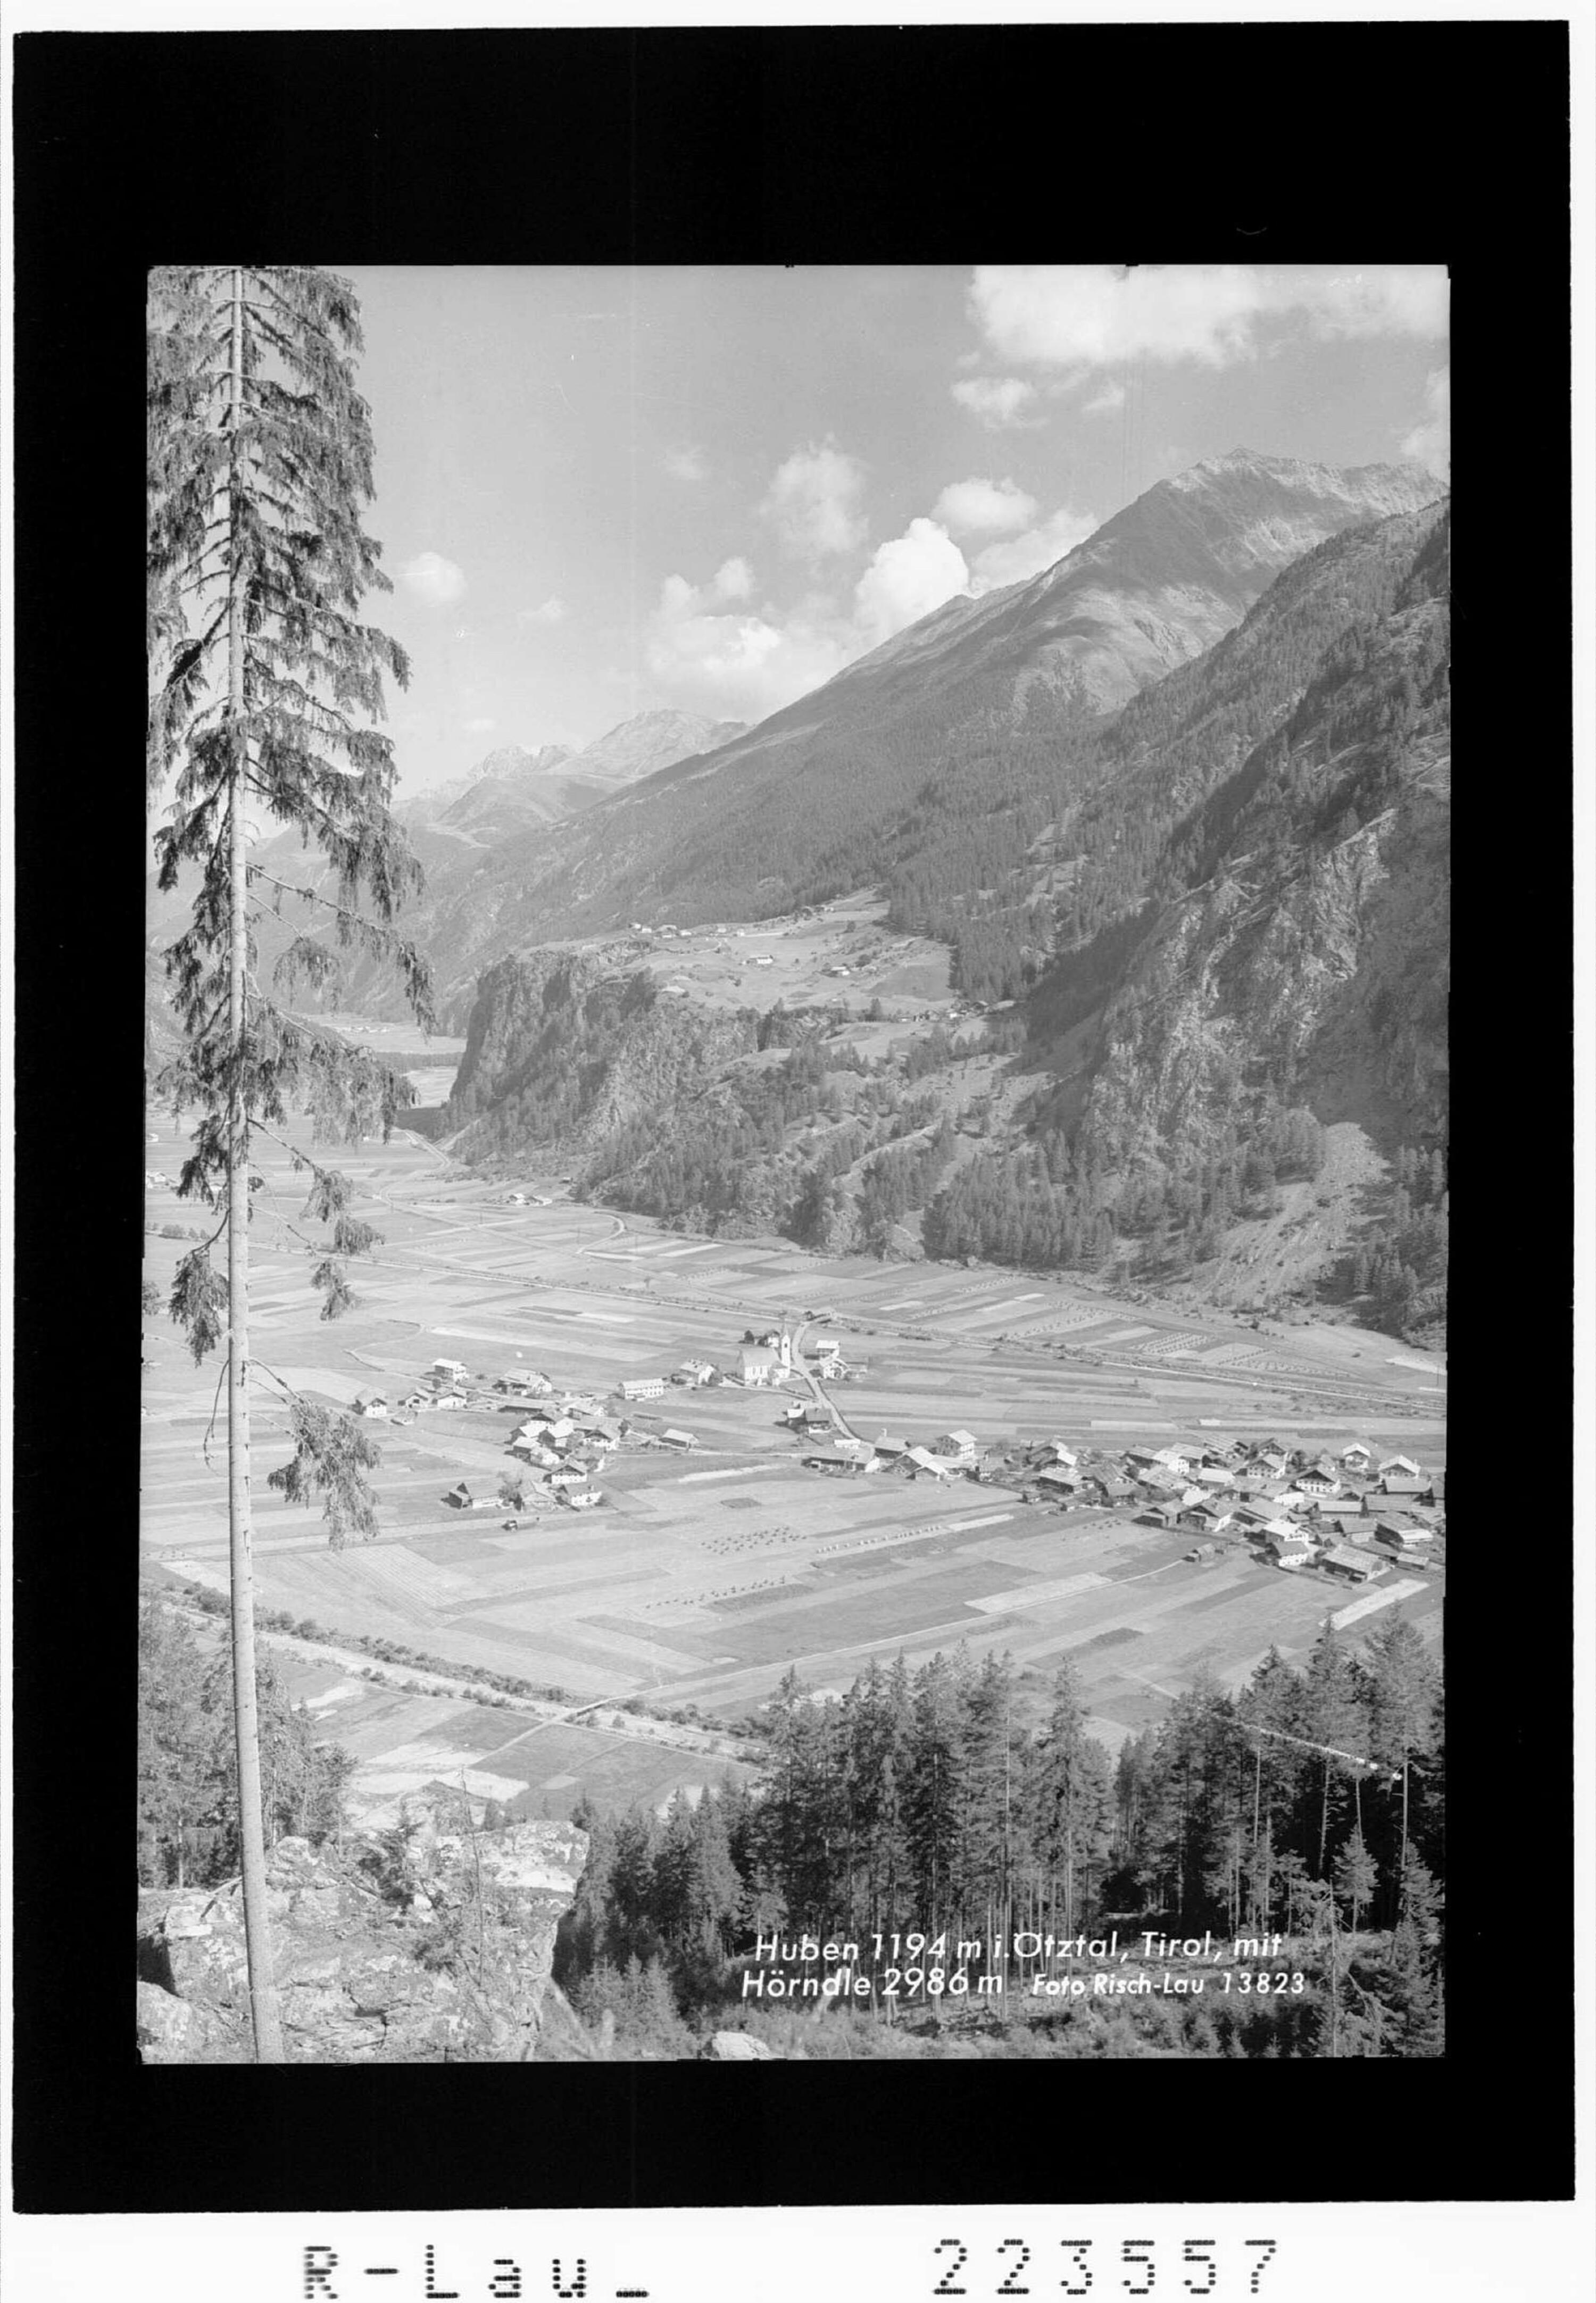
1022 2270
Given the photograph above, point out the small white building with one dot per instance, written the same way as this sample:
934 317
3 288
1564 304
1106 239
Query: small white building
454 1399
643 1387
955 1447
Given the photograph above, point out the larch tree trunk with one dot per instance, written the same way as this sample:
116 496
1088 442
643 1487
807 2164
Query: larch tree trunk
263 2012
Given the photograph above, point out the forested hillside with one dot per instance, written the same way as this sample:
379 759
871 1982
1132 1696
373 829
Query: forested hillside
924 1801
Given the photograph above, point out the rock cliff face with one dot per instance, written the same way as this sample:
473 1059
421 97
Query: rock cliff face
561 1051
428 1945
1314 959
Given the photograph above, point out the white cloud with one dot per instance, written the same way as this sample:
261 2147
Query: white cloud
553 611
1015 558
733 579
431 578
997 399
1106 402
687 464
732 663
975 507
813 502
715 654
906 579
480 727
1097 314
1430 442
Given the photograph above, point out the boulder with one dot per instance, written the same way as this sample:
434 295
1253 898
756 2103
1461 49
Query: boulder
738 2047
422 1946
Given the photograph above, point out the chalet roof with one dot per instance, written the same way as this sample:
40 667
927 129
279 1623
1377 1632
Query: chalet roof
885 1446
1399 1464
1281 1530
1402 1487
832 1458
1057 1476
963 1440
927 1462
1347 1555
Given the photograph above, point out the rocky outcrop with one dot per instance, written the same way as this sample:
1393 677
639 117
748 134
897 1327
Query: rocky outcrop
431 1943
561 1051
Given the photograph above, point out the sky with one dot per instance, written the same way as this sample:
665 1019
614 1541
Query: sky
605 491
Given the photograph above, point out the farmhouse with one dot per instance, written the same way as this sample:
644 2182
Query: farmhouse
452 1371
1291 1550
580 1499
957 1446
371 1404
673 1438
459 1498
1410 1489
1317 1482
891 1449
1055 1481
1355 1457
643 1387
695 1371
454 1399
920 1459
1402 1534
1054 1451
1401 1467
834 1460
1356 1567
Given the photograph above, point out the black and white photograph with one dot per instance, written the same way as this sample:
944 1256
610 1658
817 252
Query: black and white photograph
795 1361
772 1386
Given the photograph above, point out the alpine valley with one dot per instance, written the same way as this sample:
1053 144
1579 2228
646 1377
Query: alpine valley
1099 923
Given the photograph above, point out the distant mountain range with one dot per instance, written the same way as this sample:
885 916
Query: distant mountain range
511 791
828 793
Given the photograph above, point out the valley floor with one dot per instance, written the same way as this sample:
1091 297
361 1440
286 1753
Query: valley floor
700 1578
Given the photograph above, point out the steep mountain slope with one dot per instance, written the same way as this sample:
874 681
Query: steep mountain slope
1248 925
818 797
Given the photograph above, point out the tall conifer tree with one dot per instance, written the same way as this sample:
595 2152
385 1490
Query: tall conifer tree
263 680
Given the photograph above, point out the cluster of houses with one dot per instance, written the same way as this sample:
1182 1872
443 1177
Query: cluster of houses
952 1455
1343 1512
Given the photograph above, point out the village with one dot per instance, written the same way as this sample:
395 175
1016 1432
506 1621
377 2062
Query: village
1342 1514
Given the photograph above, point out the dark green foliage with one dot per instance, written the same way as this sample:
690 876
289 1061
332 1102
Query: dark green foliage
199 1302
925 1800
187 1778
332 1456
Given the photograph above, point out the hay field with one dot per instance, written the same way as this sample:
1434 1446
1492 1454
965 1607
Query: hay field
700 1578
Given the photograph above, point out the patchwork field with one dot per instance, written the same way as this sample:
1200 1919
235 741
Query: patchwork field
700 1578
